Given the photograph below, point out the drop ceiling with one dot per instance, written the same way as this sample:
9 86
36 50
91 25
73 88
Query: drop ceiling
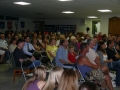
53 8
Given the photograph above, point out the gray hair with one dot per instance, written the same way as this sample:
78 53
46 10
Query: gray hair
89 41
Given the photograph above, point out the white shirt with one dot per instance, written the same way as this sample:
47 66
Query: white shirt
12 48
92 55
3 43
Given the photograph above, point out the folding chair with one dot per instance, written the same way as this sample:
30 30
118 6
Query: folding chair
81 80
17 70
26 73
45 60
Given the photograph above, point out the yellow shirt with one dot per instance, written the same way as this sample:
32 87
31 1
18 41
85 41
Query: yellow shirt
53 50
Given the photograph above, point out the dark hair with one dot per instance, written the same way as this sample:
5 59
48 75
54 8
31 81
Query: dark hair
88 86
19 41
99 48
26 37
62 41
89 41
83 46
109 42
13 39
94 37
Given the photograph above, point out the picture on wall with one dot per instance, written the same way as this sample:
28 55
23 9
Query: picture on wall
9 24
2 24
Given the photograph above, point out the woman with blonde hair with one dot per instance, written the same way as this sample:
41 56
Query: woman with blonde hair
69 80
54 78
37 81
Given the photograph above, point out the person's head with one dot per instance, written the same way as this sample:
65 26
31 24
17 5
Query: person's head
44 39
27 39
39 73
101 46
84 47
64 42
110 43
118 39
117 47
80 40
73 39
95 39
88 86
69 80
35 35
77 36
87 36
9 35
34 41
20 43
71 49
13 41
91 43
87 29
100 34
52 41
15 36
113 38
53 78
39 36
2 36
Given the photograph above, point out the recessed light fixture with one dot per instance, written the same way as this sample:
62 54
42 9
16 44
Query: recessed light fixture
22 3
92 17
105 10
68 12
65 0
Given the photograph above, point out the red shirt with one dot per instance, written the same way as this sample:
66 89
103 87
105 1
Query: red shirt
72 57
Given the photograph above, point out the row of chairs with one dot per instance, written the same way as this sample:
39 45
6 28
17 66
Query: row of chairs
25 71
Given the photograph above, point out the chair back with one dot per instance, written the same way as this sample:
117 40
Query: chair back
13 61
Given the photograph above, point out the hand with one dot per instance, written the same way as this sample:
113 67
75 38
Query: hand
111 60
117 56
21 60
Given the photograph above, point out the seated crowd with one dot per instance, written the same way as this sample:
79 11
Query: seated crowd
98 53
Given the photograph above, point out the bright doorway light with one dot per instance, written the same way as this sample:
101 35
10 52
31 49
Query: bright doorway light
22 3
68 12
92 17
105 10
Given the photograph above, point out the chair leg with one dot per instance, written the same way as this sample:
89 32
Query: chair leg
14 75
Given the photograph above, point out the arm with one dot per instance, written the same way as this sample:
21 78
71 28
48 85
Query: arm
86 61
97 60
51 54
100 56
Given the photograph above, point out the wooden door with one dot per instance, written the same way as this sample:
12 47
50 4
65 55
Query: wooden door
114 25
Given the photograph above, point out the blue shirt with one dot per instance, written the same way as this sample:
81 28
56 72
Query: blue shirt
95 47
25 48
62 54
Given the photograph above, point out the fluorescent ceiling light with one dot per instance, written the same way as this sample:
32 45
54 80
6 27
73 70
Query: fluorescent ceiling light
106 10
68 12
65 0
92 17
22 3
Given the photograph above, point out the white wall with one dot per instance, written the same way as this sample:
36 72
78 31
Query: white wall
28 25
105 22
80 27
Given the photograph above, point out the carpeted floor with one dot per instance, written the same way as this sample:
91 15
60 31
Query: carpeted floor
6 79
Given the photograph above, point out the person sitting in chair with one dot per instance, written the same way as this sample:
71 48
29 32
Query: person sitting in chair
28 47
85 66
20 57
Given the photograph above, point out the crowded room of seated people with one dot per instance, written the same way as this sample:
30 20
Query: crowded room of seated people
52 61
